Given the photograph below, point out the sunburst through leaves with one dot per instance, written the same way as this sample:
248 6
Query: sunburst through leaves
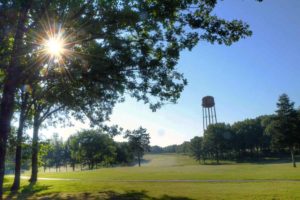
54 46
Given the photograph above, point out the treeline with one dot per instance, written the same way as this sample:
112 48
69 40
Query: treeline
87 149
251 139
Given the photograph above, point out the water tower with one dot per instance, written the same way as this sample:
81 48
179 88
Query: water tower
209 111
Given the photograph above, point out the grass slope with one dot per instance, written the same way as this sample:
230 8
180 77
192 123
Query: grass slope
110 183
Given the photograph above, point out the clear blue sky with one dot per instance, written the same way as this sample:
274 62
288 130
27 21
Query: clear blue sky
246 78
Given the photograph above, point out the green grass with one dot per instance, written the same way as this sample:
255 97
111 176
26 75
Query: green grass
110 183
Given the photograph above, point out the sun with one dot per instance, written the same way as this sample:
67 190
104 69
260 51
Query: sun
54 46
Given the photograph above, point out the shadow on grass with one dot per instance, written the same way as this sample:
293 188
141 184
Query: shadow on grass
111 195
137 195
27 192
267 160
215 163
259 161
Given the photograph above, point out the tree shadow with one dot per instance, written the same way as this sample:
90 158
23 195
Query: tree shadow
266 160
216 164
247 160
112 195
27 191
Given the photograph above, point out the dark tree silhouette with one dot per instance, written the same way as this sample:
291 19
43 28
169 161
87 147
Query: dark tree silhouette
139 141
285 126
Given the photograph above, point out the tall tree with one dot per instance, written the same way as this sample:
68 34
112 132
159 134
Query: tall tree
219 138
24 110
197 148
139 141
12 77
284 127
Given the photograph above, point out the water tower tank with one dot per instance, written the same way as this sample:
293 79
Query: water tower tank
208 102
209 111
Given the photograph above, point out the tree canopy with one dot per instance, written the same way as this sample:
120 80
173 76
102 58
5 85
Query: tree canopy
139 141
285 127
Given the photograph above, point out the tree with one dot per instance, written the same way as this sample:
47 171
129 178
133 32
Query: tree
118 46
124 153
57 151
218 138
284 128
265 141
196 146
93 148
73 146
248 135
24 109
139 141
42 109
45 150
183 148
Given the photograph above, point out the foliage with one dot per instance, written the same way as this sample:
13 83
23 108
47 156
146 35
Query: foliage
139 141
197 150
218 139
285 126
125 155
90 148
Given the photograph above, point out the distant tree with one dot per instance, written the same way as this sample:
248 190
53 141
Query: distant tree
94 148
73 147
125 154
183 148
196 147
170 148
44 152
66 155
285 126
57 151
265 141
139 141
218 139
156 149
248 135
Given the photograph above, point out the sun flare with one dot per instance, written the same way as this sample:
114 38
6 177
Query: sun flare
54 46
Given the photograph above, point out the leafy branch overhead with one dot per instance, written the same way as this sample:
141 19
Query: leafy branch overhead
120 47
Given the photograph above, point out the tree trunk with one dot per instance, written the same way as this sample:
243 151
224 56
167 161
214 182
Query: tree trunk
6 112
16 184
9 88
217 157
35 149
293 156
139 159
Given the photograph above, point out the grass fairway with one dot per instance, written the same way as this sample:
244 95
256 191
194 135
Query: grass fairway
170 177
